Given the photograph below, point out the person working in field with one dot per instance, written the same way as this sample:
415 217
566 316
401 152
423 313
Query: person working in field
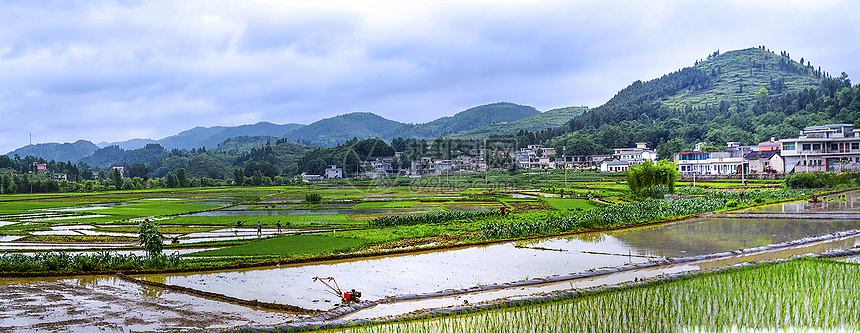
259 229
503 210
279 226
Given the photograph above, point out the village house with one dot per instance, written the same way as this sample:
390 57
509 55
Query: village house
833 147
636 156
730 161
333 173
768 161
40 167
614 165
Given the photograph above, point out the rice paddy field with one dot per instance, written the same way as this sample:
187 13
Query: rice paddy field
798 295
354 227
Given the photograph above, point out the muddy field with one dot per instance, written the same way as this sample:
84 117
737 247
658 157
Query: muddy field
107 304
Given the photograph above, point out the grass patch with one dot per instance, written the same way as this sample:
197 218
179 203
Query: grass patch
569 204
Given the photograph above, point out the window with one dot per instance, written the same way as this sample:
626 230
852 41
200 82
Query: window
834 146
788 146
816 146
806 146
855 145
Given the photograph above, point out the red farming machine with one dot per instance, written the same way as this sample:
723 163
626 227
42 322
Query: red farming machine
351 296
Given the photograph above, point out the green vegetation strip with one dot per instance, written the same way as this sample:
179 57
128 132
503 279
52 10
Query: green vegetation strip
394 220
798 294
57 263
636 213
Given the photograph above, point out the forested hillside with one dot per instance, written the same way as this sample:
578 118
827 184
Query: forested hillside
330 132
57 151
476 117
692 105
538 122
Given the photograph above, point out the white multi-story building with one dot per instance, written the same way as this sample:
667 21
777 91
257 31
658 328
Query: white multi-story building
333 172
636 156
833 147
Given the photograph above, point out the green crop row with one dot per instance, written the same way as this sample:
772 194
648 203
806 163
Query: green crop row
633 213
97 262
395 220
796 296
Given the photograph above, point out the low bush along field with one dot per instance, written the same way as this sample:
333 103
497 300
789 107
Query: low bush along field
290 246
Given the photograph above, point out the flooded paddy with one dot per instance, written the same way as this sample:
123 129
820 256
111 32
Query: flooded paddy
393 275
622 277
378 278
105 303
417 273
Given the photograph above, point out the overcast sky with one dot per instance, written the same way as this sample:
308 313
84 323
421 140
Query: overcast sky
116 70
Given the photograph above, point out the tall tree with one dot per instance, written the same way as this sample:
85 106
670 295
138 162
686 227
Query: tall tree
181 179
239 176
117 178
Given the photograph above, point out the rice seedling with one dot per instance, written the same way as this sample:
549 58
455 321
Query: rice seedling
804 294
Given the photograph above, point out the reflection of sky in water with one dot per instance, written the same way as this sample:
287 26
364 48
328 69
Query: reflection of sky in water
500 263
396 275
713 235
847 204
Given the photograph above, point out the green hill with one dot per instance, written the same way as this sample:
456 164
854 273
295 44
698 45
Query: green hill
747 96
57 151
737 75
479 116
335 130
540 121
210 137
104 157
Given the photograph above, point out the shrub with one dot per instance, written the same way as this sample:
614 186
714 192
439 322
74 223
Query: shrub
731 204
655 192
150 238
313 198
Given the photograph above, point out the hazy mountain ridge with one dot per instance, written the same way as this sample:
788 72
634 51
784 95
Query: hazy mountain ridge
538 122
57 151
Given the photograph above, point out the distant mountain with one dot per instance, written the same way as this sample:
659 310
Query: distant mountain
59 152
104 156
479 116
538 122
244 144
208 137
128 144
332 131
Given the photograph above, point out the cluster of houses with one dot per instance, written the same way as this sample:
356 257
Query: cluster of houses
819 148
833 147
